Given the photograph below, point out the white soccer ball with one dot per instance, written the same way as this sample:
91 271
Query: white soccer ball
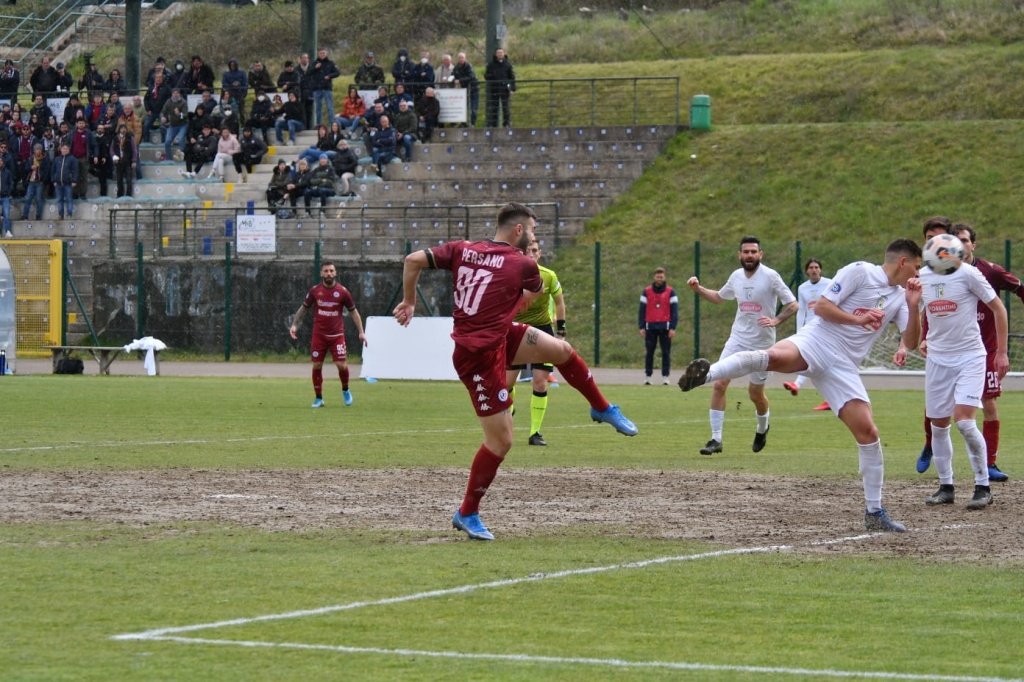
943 253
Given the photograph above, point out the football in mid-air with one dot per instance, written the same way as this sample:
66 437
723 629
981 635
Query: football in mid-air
943 253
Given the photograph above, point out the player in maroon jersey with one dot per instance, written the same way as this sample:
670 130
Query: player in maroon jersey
490 278
1001 280
329 299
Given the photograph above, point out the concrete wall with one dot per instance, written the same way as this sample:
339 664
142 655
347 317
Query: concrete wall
185 307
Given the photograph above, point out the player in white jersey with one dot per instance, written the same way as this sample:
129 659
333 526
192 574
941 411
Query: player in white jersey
955 371
863 298
807 295
757 290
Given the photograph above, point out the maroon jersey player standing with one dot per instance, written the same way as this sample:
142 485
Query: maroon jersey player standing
329 299
490 279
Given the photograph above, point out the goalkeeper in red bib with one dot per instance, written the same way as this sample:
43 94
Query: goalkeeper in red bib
489 280
328 300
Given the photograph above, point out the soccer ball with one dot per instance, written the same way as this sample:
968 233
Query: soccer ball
943 253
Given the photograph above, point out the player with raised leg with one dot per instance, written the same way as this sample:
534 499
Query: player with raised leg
863 298
489 279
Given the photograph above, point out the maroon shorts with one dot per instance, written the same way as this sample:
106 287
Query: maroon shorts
320 346
483 371
993 389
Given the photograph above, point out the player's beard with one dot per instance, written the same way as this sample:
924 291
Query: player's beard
750 266
524 241
327 281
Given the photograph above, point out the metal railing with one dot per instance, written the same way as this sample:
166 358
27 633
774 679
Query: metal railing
359 232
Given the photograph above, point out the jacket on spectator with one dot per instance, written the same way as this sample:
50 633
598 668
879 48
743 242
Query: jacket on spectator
64 170
465 76
117 85
44 81
235 81
281 178
155 99
125 149
345 161
402 69
6 182
204 147
43 169
322 177
71 113
134 123
405 122
261 116
429 108
422 76
385 140
290 81
260 81
291 111
10 79
307 84
177 77
323 77
197 78
175 111
252 147
353 108
369 74
501 74
64 81
91 149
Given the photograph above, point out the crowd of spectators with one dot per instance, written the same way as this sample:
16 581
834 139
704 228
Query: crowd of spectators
103 122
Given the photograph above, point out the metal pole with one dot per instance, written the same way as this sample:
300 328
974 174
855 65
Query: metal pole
1006 294
308 20
64 294
597 303
140 284
227 301
133 44
696 301
495 37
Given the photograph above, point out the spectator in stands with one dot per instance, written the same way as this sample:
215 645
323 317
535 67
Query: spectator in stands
6 193
228 149
235 83
352 109
65 175
345 164
325 71
10 81
91 81
400 94
64 80
465 77
156 97
384 99
159 67
384 141
297 187
322 145
253 150
39 109
36 125
259 79
103 167
49 142
290 80
428 109
177 78
22 146
38 175
84 150
371 122
370 74
336 135
174 119
198 119
74 110
109 117
402 69
305 69
445 73
124 155
94 110
115 99
131 116
261 117
201 149
406 127
321 183
225 114
422 77
199 78
280 178
501 83
115 83
290 118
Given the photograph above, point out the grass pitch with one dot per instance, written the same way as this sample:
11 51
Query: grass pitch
217 601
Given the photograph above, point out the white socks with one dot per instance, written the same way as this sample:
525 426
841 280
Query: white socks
739 365
975 449
717 419
873 472
942 453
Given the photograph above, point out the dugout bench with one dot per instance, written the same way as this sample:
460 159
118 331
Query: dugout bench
103 355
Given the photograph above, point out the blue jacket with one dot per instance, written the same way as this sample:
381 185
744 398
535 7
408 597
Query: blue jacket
6 182
236 82
64 170
385 140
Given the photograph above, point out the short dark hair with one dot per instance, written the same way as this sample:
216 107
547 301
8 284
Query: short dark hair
513 212
902 247
750 239
965 227
324 264
659 271
940 222
811 260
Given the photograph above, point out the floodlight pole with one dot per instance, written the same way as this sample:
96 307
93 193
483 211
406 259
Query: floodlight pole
309 27
133 43
495 28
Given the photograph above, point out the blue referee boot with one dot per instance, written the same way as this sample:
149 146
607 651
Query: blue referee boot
348 397
614 417
925 459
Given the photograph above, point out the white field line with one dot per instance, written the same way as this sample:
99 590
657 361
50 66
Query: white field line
332 436
604 662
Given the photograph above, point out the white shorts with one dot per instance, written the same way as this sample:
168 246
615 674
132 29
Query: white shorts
732 347
835 377
951 381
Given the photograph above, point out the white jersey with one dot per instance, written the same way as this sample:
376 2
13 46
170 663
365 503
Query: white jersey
951 304
855 289
755 296
807 295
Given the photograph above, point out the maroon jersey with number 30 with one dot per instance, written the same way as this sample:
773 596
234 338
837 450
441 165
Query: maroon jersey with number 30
327 304
488 280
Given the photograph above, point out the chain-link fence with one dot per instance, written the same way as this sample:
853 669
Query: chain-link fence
603 282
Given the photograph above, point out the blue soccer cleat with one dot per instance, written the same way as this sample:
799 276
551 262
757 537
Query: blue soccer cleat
925 459
994 474
472 526
319 402
614 417
348 397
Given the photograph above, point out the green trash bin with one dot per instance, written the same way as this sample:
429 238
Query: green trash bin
700 112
